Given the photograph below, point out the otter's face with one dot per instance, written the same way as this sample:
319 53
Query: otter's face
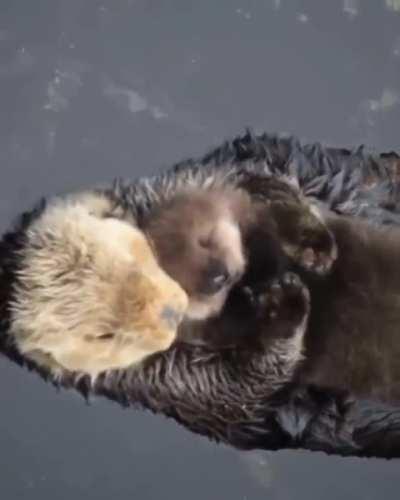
198 243
90 295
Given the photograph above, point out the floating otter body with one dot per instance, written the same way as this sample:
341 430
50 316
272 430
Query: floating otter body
202 388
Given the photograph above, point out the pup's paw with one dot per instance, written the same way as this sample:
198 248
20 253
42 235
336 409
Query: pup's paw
305 238
285 298
317 251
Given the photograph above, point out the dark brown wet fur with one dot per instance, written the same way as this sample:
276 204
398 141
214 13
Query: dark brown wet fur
353 340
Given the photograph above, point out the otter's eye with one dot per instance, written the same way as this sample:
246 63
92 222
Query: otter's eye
105 336
204 242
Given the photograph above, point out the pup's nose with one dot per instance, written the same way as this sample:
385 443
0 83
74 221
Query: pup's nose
216 278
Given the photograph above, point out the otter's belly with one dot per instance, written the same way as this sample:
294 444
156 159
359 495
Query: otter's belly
353 343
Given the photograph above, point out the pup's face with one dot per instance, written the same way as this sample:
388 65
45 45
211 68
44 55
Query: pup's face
198 242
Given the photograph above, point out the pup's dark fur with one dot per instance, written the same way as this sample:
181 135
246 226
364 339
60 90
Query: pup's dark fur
197 237
212 392
353 341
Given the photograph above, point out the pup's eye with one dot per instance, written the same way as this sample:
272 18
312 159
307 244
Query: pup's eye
105 336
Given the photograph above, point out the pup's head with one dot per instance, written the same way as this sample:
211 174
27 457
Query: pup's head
197 239
89 294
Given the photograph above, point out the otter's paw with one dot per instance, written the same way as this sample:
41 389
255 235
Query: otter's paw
285 298
305 238
317 252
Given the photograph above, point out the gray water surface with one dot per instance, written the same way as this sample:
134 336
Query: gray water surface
90 90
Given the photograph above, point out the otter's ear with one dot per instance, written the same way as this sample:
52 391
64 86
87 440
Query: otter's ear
88 294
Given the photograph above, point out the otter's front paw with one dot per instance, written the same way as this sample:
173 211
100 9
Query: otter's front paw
283 299
317 251
305 238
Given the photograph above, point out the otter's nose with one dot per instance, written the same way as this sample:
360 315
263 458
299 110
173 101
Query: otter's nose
171 317
217 276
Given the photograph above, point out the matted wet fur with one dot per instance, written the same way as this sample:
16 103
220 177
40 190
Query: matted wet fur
353 339
202 389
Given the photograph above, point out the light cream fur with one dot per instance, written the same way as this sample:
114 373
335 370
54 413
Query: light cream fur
90 295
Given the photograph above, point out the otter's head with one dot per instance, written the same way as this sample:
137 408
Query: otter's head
89 294
197 239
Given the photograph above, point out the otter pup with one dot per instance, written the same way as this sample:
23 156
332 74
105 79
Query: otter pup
233 256
206 238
